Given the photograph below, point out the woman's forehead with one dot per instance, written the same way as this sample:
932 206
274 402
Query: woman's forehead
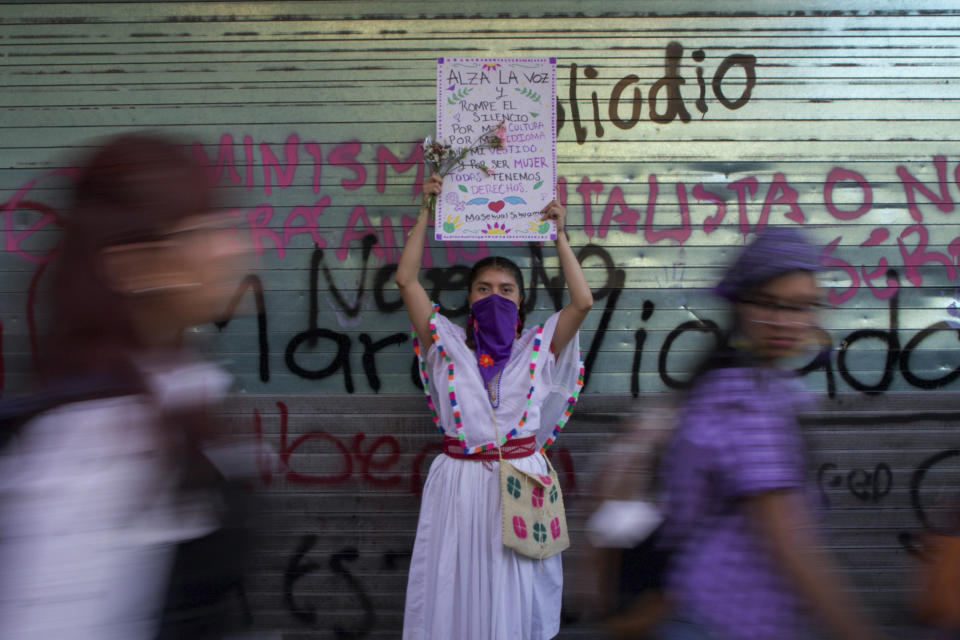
495 275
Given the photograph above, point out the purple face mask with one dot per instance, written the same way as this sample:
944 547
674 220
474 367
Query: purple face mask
494 330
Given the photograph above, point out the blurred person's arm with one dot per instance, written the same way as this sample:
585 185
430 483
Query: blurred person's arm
785 522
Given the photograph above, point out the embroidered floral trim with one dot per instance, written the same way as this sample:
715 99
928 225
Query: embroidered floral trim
485 360
424 376
451 388
571 401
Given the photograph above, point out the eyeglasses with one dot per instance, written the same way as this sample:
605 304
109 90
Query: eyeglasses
798 312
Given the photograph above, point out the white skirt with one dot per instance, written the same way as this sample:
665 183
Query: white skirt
463 582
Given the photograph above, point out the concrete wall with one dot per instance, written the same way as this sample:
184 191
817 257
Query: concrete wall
683 130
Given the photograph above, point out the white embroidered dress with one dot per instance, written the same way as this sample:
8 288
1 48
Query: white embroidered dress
463 582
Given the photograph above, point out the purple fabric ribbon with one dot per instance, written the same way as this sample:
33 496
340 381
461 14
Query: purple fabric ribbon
494 330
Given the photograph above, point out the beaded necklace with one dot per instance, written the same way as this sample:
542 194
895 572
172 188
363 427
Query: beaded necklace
452 391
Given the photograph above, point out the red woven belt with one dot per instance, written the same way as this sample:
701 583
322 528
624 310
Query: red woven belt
513 448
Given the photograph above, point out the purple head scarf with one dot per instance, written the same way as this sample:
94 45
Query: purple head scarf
774 252
494 330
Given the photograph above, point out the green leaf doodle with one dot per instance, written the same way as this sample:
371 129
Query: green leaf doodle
538 185
462 188
533 95
543 228
534 114
457 96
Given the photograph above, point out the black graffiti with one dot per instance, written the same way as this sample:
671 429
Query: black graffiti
822 360
864 485
703 326
439 281
252 282
664 101
890 337
538 274
670 85
314 333
944 519
340 361
337 560
904 360
310 337
299 567
352 311
746 62
370 349
897 357
610 291
920 510
640 339
380 282
393 559
870 486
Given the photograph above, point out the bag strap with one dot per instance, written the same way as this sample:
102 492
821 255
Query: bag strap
496 435
550 468
496 439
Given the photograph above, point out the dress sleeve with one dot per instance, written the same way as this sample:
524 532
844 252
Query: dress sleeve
430 358
760 448
560 381
443 332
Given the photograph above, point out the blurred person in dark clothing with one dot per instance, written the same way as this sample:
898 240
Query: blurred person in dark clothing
98 493
746 560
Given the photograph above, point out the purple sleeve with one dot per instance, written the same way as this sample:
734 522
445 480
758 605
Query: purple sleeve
758 442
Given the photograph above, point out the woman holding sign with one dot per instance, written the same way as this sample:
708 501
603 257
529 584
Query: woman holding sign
487 386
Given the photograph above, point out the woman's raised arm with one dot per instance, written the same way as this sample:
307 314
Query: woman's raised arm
415 297
581 298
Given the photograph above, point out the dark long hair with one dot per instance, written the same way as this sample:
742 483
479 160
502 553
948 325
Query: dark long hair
503 264
133 188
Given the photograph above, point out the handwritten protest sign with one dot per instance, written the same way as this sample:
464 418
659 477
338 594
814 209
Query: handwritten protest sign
499 193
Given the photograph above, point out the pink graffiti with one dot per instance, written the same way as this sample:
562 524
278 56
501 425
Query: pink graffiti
336 168
267 234
911 185
877 237
372 460
919 256
14 240
379 463
839 174
679 234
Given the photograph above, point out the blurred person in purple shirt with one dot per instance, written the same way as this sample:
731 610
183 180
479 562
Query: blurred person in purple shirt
746 560
95 493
